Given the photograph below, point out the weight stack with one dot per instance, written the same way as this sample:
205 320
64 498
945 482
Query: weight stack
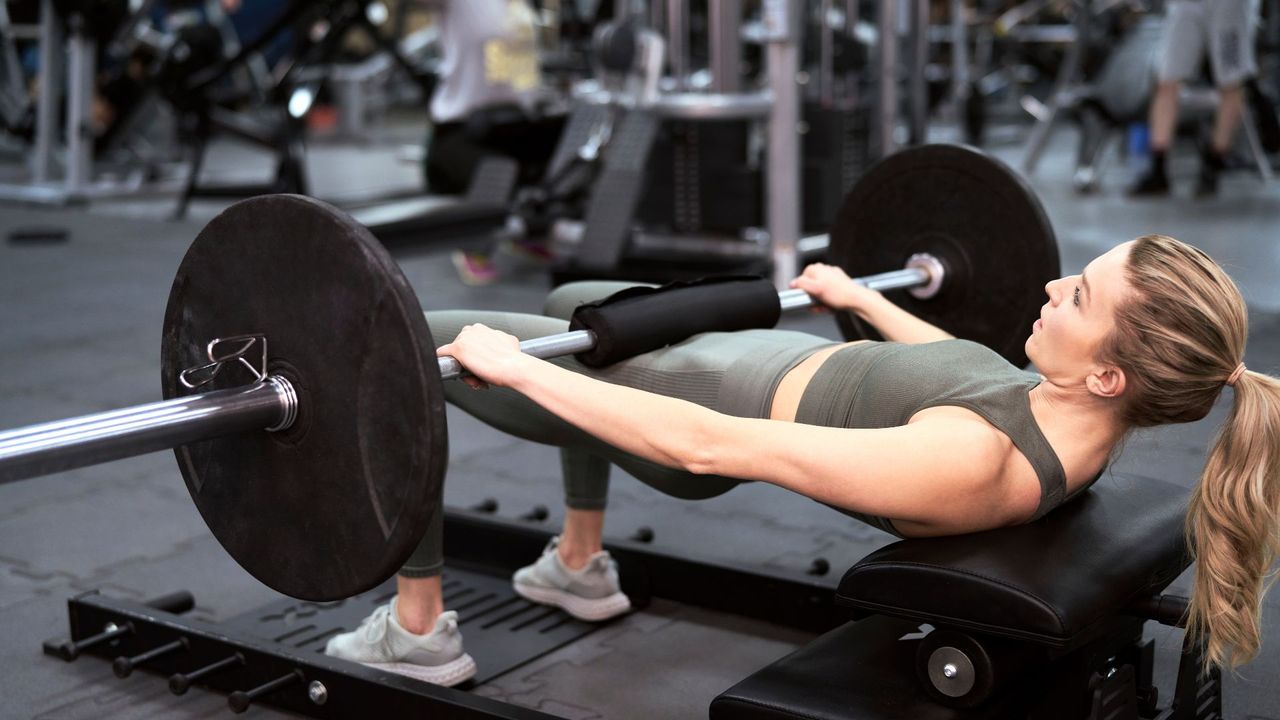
836 151
701 179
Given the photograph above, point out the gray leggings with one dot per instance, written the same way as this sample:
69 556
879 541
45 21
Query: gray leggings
733 373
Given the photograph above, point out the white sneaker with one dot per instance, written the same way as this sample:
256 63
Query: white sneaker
381 642
591 593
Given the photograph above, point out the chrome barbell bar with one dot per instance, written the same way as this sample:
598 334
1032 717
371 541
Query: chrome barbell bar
271 404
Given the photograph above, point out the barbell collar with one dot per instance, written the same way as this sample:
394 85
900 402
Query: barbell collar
934 270
101 437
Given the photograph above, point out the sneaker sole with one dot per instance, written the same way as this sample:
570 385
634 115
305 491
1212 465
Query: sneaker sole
527 253
451 673
469 276
589 609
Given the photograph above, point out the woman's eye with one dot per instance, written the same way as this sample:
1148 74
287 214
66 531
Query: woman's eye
1075 297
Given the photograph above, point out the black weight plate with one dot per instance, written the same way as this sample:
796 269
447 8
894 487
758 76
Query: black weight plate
974 214
335 504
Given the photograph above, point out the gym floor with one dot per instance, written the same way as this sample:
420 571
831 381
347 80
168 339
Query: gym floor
80 332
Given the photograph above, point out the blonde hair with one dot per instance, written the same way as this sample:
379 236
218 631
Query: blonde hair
1179 337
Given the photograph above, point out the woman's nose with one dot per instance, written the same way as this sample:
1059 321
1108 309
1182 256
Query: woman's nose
1050 289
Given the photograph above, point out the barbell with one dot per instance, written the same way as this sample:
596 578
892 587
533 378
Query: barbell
304 400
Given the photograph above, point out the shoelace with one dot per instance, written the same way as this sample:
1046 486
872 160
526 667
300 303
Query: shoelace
375 626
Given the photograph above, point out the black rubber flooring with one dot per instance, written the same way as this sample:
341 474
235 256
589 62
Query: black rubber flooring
80 332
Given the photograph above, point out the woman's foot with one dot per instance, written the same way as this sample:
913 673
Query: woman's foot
590 592
533 251
474 268
1153 183
381 642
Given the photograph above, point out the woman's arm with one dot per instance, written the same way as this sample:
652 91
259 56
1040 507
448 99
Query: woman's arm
658 428
943 476
832 287
936 476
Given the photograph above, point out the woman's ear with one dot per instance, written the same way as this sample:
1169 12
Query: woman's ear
1107 381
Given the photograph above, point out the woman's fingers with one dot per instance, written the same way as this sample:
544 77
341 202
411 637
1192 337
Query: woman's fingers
486 354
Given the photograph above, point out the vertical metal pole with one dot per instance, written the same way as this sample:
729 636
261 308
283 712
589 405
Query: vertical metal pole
959 57
783 177
851 94
1273 23
13 81
723 28
1068 74
51 83
678 41
919 33
826 56
81 60
886 70
349 91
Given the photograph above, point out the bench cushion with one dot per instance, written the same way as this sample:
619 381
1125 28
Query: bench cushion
1050 581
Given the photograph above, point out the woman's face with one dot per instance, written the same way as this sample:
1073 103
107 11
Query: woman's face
1077 318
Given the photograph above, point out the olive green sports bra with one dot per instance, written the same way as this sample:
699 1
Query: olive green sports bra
882 384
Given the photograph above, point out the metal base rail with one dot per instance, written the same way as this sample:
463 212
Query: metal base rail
157 638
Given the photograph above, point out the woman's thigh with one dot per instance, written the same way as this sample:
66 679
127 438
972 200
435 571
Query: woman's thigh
517 415
733 373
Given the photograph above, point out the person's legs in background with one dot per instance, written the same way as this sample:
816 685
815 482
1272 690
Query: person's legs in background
1180 54
530 141
452 156
1225 121
1162 119
1231 26
454 150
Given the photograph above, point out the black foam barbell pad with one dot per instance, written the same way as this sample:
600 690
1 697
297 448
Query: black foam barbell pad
641 319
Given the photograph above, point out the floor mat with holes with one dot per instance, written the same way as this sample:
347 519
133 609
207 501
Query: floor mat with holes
500 629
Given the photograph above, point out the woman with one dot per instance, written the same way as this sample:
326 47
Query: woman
1148 334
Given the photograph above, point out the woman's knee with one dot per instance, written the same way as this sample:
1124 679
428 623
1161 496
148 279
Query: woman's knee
446 324
563 300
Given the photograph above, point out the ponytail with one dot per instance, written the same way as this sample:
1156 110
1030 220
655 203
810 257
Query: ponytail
1233 525
1179 336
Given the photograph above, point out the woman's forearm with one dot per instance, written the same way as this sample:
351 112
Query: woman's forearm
661 429
897 324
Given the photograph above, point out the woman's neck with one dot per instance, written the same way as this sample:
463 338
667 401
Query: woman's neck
1089 422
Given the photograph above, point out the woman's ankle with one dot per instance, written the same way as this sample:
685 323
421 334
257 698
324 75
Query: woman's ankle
419 601
573 558
582 537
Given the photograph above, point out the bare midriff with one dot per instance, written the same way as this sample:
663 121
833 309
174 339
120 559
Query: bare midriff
786 399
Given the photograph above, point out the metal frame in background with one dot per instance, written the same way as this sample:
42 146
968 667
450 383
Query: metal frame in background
68 66
261 671
286 135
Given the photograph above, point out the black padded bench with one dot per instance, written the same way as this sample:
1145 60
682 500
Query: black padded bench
1037 621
